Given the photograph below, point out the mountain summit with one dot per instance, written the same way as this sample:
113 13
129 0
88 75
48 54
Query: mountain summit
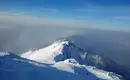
62 50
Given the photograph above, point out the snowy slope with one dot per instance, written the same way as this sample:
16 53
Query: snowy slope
61 51
100 74
103 74
16 68
49 52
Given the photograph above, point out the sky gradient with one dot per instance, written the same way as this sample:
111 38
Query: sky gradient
107 14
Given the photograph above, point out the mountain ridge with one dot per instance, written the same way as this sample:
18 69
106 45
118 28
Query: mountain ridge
69 50
24 69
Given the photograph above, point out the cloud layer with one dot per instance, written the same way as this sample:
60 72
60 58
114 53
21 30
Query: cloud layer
20 19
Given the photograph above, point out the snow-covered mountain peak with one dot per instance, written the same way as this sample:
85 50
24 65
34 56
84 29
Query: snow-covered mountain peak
62 50
67 52
58 51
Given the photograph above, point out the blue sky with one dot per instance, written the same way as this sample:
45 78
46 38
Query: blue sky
107 13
